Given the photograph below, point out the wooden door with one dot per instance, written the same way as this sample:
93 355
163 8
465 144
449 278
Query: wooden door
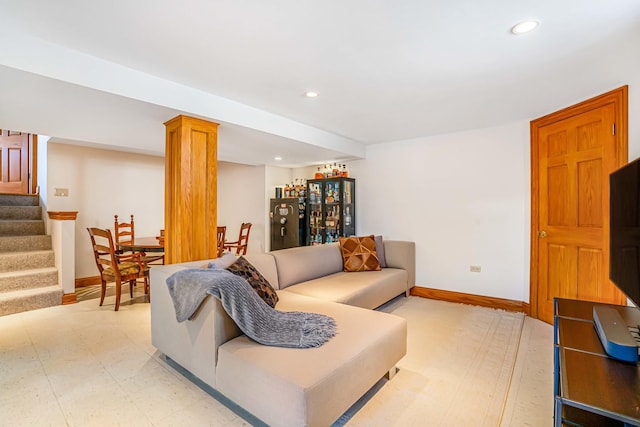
573 153
14 163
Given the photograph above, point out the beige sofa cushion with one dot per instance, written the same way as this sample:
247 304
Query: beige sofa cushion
266 265
367 289
300 387
304 263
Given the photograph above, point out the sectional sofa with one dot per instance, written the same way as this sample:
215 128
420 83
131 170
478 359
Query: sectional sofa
285 386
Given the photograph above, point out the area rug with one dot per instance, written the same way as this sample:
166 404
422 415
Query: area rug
457 370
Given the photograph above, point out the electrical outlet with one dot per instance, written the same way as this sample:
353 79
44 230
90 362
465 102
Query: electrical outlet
475 269
62 192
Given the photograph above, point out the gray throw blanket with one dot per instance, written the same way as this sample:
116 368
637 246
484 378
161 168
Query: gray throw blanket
188 288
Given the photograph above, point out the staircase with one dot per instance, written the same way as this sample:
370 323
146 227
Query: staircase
28 276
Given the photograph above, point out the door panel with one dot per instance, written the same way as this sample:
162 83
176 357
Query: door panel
589 193
559 282
558 197
590 275
573 156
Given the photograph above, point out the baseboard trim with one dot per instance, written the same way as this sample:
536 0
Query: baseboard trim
81 282
69 298
483 301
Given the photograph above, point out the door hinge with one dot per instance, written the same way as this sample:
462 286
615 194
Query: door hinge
613 129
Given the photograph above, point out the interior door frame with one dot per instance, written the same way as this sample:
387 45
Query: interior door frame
619 98
33 165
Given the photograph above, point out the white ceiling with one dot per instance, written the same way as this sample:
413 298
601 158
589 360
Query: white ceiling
110 73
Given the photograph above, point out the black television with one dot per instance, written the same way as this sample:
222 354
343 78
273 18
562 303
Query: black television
624 230
616 337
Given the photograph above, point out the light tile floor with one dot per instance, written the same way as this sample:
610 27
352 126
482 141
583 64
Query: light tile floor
530 398
85 365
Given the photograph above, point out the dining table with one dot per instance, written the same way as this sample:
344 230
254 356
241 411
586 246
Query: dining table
143 244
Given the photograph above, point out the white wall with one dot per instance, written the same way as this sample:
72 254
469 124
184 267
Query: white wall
241 195
103 183
463 198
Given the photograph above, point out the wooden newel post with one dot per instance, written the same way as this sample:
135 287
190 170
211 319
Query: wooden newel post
190 212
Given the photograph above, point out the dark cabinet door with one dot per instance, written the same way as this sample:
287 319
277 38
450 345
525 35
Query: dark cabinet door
330 209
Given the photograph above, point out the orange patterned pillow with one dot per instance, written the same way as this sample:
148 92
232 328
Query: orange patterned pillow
359 254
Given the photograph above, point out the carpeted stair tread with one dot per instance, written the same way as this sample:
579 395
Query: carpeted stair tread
30 299
25 243
28 279
20 213
21 227
26 292
16 261
19 199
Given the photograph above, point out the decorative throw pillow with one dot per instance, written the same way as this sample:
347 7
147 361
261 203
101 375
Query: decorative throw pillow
380 250
263 288
359 254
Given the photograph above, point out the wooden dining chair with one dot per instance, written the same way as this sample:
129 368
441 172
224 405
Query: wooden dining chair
222 231
125 233
115 267
240 245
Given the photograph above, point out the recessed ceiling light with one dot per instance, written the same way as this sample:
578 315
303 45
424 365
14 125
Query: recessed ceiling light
277 158
311 94
524 27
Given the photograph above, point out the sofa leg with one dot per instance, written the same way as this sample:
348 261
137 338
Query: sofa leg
392 373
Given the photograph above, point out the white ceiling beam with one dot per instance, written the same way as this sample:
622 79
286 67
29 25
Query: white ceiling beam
38 56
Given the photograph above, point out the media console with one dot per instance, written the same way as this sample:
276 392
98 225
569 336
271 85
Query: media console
591 388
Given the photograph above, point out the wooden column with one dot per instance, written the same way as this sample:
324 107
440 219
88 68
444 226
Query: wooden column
190 213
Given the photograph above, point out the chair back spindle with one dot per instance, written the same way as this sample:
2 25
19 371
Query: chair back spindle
222 231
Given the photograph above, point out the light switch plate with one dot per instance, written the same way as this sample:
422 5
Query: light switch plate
62 192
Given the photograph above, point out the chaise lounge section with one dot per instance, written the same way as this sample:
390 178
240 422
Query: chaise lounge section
286 386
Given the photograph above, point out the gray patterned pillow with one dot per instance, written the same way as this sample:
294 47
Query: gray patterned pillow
263 288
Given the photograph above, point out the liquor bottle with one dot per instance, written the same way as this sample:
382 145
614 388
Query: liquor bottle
296 189
347 216
334 170
336 193
345 172
318 174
